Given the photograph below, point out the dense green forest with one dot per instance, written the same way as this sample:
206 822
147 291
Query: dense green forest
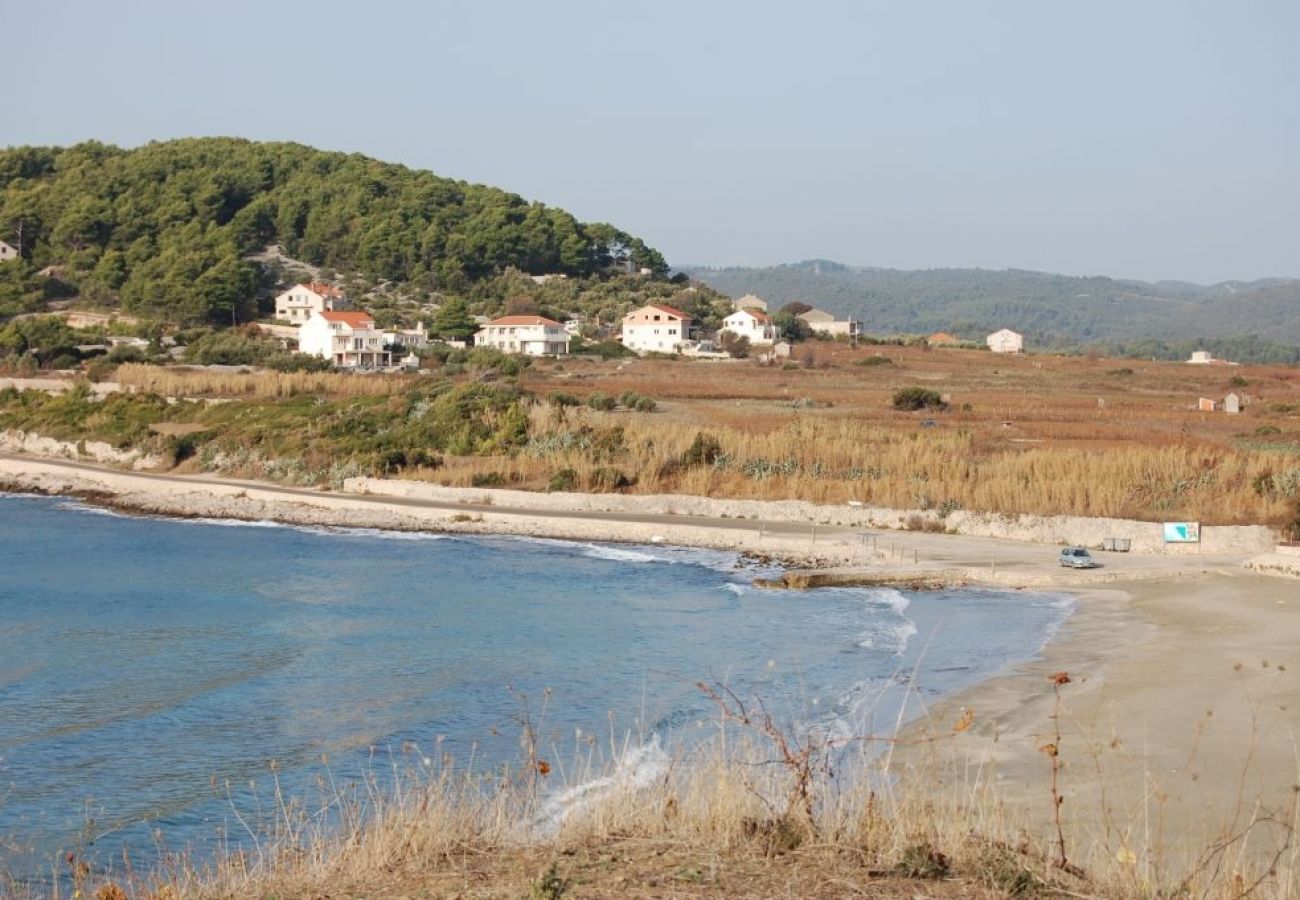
165 229
1253 322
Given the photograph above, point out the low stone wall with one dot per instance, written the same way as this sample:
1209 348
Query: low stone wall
1144 537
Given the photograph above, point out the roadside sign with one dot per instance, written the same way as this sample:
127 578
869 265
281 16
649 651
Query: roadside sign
1182 532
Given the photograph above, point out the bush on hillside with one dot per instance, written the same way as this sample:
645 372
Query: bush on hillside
914 398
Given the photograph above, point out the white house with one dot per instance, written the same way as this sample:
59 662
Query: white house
409 338
1004 340
1201 358
749 301
7 253
821 322
656 328
531 335
298 303
344 338
753 324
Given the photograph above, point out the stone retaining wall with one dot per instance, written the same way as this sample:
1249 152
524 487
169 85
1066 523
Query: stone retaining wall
1145 537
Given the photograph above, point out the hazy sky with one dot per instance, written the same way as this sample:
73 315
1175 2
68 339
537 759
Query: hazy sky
1143 138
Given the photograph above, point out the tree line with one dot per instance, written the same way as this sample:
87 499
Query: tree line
166 228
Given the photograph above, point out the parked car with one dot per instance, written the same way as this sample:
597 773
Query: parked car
1077 558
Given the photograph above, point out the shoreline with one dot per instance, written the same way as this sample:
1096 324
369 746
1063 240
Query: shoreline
1181 716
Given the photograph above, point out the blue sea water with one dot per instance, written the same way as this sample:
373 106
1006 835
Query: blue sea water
154 671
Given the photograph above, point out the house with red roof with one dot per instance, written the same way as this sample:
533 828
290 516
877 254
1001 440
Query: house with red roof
531 335
753 324
347 339
296 305
657 328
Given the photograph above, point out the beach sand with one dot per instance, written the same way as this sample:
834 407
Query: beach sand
1179 724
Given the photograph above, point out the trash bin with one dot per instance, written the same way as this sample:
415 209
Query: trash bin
1108 544
1122 545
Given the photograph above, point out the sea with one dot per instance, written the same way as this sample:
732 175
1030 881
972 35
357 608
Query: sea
166 684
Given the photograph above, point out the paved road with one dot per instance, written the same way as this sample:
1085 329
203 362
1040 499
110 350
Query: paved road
783 528
898 549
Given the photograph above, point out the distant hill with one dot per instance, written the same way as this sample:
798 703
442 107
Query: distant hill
1258 320
165 229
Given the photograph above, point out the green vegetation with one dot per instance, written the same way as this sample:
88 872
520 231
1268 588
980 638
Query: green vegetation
914 398
304 439
1165 320
166 228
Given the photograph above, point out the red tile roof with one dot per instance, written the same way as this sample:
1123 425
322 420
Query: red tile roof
671 311
325 290
355 319
523 320
758 314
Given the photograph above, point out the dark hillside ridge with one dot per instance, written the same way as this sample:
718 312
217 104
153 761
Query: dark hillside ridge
1258 319
165 227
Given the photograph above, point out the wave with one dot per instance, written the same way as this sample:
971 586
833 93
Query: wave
893 637
637 769
618 554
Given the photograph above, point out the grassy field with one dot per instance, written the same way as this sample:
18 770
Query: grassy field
1020 434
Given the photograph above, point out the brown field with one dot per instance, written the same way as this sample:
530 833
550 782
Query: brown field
1034 434
1022 434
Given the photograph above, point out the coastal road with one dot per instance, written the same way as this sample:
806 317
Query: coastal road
892 551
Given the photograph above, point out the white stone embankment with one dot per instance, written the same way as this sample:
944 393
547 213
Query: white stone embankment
1144 537
87 451
60 385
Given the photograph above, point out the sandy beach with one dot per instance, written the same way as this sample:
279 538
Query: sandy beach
1178 726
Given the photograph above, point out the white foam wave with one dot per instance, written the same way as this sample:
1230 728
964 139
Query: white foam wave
738 589
891 637
636 769
890 597
92 510
618 554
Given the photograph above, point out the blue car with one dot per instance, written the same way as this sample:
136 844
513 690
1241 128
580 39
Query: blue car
1077 558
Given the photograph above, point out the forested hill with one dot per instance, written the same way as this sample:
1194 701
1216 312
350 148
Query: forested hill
164 228
1053 310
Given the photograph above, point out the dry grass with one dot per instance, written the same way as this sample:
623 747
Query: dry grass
1027 435
833 460
726 819
175 381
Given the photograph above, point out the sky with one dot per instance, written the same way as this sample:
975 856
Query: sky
1145 139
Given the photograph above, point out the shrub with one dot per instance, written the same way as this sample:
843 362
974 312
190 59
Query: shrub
100 369
638 402
608 478
126 353
914 398
601 401
563 480
562 399
874 361
703 451
297 362
735 345
488 479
